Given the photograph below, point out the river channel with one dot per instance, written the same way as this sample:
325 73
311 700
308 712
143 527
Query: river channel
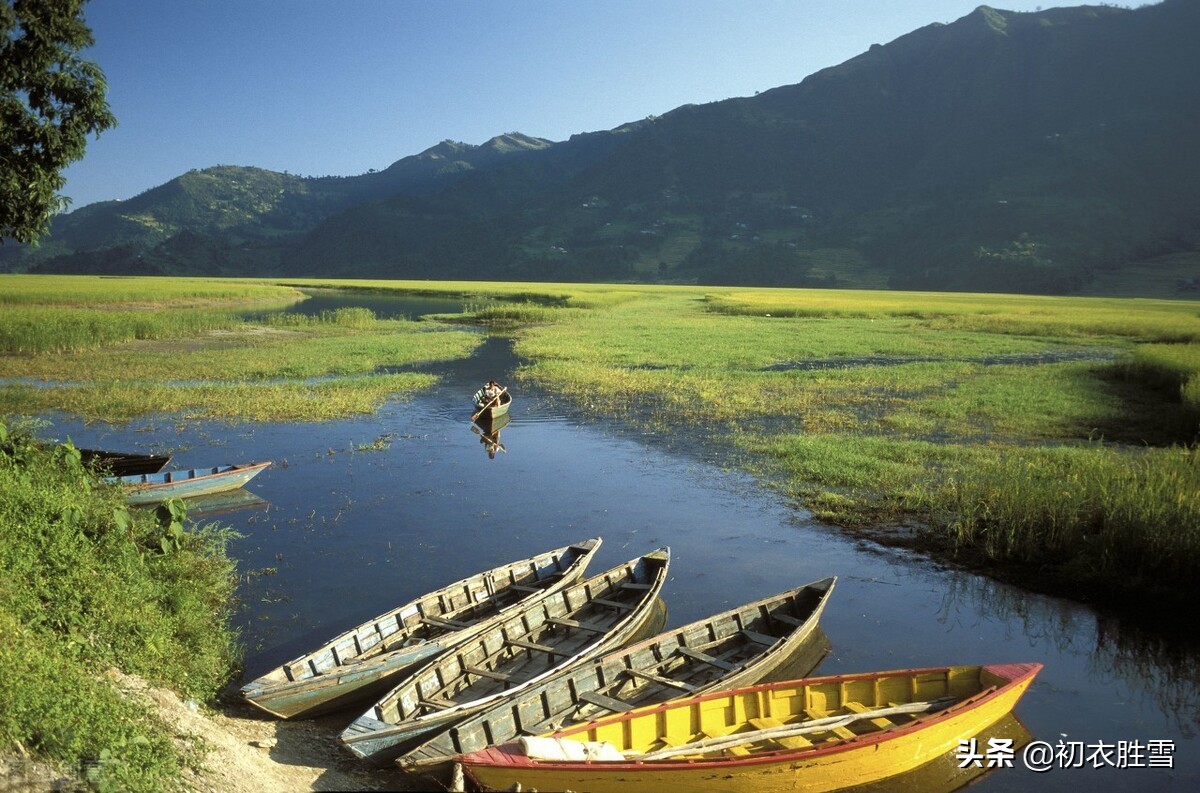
356 516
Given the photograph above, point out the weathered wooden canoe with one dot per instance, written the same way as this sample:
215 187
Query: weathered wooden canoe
363 663
152 488
517 651
819 734
738 647
493 411
123 463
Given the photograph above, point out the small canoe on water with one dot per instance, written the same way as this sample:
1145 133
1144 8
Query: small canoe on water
518 651
123 463
363 663
153 488
819 734
490 409
738 647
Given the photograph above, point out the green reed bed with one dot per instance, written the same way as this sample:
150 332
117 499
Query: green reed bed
868 407
1174 368
138 291
122 362
87 585
121 400
42 329
1098 519
251 353
1047 317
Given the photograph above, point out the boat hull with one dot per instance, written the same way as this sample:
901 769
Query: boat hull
153 488
738 647
493 412
518 651
360 664
821 766
123 463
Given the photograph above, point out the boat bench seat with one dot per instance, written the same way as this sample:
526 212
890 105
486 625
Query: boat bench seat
787 619
435 703
608 703
480 672
759 638
442 622
569 623
524 588
635 585
616 604
533 646
663 681
703 657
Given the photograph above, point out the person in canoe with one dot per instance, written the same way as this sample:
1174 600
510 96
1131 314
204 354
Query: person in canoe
488 395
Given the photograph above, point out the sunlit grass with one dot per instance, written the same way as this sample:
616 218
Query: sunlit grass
245 401
85 587
92 291
870 407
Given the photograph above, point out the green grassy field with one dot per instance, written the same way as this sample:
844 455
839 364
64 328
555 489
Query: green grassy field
1052 440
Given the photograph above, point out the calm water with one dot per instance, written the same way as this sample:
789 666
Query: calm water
345 532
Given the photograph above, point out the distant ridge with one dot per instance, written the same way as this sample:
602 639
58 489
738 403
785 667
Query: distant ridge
1027 152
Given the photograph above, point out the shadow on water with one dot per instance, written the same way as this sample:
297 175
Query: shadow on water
363 514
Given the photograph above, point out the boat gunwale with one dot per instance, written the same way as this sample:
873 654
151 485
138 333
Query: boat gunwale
1023 674
417 724
277 681
761 664
143 486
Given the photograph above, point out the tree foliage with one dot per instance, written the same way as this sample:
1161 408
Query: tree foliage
50 101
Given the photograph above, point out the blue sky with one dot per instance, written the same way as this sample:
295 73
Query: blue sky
325 87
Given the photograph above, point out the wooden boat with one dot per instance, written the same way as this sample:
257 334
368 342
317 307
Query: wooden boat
738 647
123 463
366 661
819 734
492 411
152 488
516 652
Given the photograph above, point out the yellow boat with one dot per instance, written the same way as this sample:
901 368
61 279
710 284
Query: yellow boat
818 734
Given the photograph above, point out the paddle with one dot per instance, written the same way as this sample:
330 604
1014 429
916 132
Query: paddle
492 438
789 730
489 404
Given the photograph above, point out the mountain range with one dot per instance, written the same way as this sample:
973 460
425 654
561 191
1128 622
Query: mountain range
1048 152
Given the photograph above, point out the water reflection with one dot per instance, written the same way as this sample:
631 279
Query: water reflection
944 774
1121 650
224 503
489 433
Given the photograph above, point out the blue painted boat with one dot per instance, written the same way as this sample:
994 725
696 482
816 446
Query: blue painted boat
153 488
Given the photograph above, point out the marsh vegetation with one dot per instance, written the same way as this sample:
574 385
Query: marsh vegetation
1042 437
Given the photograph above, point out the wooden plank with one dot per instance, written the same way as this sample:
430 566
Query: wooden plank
435 703
634 585
665 681
479 672
569 623
613 604
534 646
787 619
706 658
759 638
608 703
442 622
524 588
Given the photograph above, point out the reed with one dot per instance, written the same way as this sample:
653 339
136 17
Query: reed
1105 517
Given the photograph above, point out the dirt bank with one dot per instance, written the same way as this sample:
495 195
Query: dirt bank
251 752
